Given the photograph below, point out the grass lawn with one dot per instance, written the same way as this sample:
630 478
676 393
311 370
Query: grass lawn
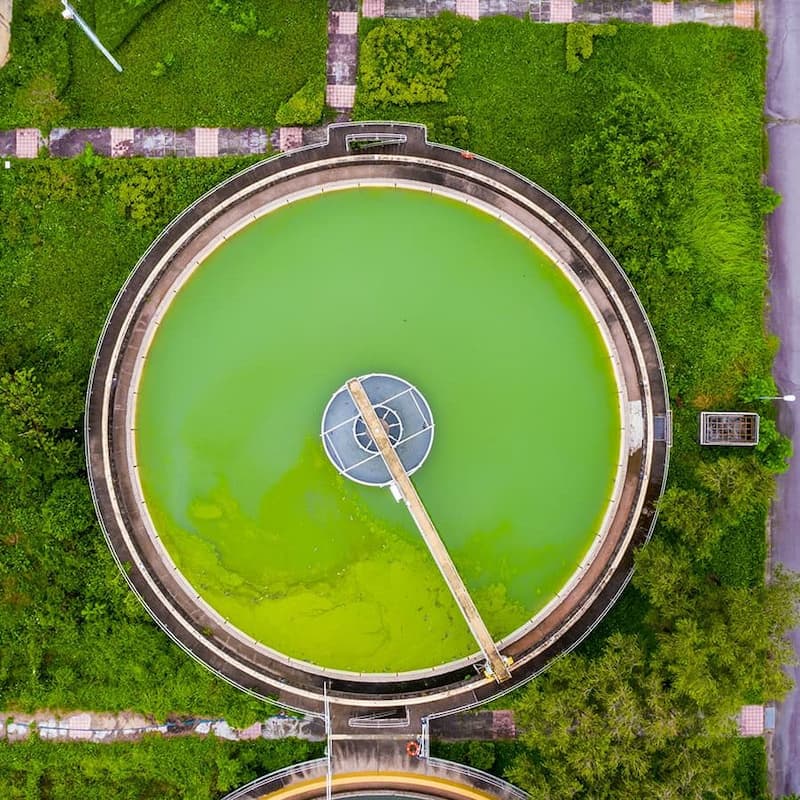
209 74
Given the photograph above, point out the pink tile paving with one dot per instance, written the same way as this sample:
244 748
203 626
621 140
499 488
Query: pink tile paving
253 732
340 96
206 142
28 142
290 138
468 8
561 11
79 726
663 13
345 21
744 13
121 142
751 721
372 8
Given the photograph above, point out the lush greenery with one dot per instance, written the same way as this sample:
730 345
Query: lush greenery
405 64
656 141
115 20
72 635
185 62
580 41
154 769
751 769
747 762
305 106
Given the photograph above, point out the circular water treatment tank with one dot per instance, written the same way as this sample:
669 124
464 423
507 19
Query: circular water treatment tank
233 516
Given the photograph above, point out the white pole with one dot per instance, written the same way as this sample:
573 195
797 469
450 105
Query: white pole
328 732
70 13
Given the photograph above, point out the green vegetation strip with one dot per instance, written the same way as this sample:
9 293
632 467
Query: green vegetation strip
72 635
155 768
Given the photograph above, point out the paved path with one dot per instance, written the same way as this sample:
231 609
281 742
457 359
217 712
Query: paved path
340 91
90 726
98 727
782 24
657 12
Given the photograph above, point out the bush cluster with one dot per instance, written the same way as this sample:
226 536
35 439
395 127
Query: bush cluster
580 41
188 767
406 64
305 106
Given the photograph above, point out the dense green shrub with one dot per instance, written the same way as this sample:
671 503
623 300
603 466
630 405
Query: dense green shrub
242 17
455 130
305 106
580 41
407 64
774 450
751 769
156 768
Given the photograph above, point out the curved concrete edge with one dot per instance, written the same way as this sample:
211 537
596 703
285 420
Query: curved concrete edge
424 778
106 419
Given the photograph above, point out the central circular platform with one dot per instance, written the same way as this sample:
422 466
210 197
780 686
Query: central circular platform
203 430
406 418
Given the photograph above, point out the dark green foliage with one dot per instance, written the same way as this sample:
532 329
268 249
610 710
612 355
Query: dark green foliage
756 387
185 64
163 67
242 17
305 106
630 165
495 757
580 41
32 82
607 728
155 768
751 769
739 557
774 450
455 130
406 64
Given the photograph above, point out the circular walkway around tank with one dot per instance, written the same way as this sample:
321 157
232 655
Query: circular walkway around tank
408 161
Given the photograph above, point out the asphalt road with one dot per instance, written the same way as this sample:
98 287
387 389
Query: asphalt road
781 21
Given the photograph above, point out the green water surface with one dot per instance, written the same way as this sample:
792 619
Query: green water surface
347 283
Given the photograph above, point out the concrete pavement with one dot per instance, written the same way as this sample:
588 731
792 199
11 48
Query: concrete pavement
781 20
